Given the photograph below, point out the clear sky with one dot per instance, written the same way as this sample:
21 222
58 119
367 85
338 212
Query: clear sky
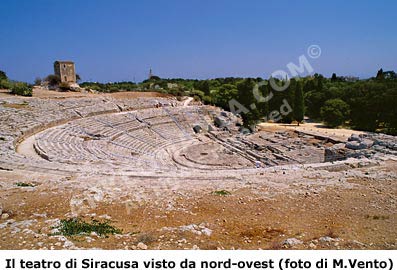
120 40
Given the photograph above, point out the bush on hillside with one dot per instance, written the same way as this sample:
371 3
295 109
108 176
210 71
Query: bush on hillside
21 89
5 84
53 80
64 86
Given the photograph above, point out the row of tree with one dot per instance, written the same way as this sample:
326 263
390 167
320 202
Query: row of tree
369 105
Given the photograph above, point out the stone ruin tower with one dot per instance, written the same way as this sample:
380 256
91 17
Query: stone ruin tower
66 71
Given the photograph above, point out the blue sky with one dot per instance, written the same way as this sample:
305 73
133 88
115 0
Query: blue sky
120 40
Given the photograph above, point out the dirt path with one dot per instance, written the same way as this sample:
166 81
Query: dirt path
311 128
187 101
26 148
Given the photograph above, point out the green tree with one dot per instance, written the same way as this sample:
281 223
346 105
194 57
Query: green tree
37 81
3 75
4 83
335 112
265 90
198 93
223 94
53 80
314 101
299 109
319 81
333 77
203 86
379 74
246 98
308 86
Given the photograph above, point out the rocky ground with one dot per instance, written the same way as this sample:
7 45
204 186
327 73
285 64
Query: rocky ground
357 213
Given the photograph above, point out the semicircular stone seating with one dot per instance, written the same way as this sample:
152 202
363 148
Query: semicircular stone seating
127 138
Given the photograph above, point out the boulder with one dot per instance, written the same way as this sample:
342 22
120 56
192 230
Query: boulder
354 138
244 130
220 121
366 143
211 128
224 114
327 239
290 242
355 145
75 87
335 152
197 129
386 142
359 145
379 148
206 231
141 246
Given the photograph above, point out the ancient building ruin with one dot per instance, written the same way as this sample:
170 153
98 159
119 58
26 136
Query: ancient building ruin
66 71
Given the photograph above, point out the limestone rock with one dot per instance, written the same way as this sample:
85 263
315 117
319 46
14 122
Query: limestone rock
354 138
141 246
290 242
220 121
327 239
334 153
197 128
206 231
355 145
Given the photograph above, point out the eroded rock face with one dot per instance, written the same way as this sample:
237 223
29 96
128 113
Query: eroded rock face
336 152
220 121
355 145
376 142
360 146
197 129
354 138
290 242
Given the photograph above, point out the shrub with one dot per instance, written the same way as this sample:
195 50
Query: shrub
37 81
22 184
198 93
207 100
5 84
22 89
64 86
335 112
222 192
76 226
53 80
3 75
